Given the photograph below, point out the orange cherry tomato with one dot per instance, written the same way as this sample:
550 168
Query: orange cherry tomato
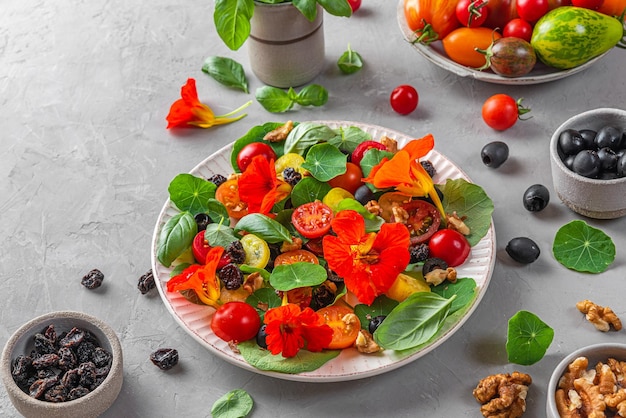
344 323
294 256
440 14
228 194
460 45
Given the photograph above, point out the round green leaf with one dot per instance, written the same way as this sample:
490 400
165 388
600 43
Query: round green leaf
581 247
528 338
235 404
325 161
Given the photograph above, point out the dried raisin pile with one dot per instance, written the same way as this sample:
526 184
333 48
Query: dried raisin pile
165 358
93 279
62 368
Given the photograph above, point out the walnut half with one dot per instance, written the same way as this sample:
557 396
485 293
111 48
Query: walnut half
503 395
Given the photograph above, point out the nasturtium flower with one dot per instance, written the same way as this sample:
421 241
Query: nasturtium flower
405 173
202 279
291 328
189 111
368 262
260 188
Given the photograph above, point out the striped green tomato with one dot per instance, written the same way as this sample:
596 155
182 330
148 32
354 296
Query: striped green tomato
569 36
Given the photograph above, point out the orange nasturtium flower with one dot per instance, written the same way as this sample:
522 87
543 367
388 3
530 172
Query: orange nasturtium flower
290 328
189 111
405 173
260 188
368 262
201 279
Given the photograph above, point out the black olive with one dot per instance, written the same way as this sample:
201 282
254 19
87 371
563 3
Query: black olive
587 163
494 154
589 138
261 336
523 250
363 194
536 198
621 166
571 142
608 159
433 263
375 323
202 220
609 136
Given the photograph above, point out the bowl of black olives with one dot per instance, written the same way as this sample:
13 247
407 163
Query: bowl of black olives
62 364
588 159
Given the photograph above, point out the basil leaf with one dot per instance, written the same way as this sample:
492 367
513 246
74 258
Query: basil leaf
299 274
413 322
305 135
303 361
219 235
470 200
255 134
528 338
308 190
178 269
191 193
464 289
336 8
266 297
264 227
349 138
273 99
382 305
350 61
581 247
235 404
307 7
325 161
227 72
312 95
232 21
247 269
175 237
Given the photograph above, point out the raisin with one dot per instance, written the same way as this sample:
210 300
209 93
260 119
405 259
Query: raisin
146 282
235 252
56 393
84 352
43 345
101 357
51 334
45 373
322 296
46 361
70 378
231 276
333 277
93 279
433 263
73 338
217 179
165 358
419 252
429 167
40 386
202 221
87 374
22 370
67 358
291 176
77 392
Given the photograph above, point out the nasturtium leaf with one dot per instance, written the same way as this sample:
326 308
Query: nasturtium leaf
219 235
371 158
581 247
226 71
175 237
382 305
308 190
235 404
463 288
304 360
264 227
349 138
299 274
217 212
325 161
191 193
307 134
470 201
266 297
528 338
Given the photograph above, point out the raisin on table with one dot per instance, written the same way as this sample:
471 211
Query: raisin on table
164 358
93 279
146 282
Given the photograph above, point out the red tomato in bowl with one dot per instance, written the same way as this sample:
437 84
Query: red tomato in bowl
518 28
532 10
450 246
472 13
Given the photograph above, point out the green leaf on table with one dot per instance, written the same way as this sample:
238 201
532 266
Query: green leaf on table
528 338
273 99
264 227
226 71
325 161
286 277
382 305
312 95
232 21
308 190
350 61
469 200
175 237
191 193
306 135
219 235
304 361
581 247
235 404
348 138
463 288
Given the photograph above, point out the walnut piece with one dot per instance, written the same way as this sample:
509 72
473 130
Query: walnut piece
601 317
279 134
503 395
365 343
456 222
295 244
438 276
390 144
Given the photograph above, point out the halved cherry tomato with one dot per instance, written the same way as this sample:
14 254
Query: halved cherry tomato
449 245
388 200
350 180
362 148
228 194
300 296
440 14
294 256
257 251
200 248
236 321
315 246
424 220
248 152
312 220
344 323
460 45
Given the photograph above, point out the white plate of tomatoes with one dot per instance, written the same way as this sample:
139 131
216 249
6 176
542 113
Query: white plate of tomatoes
349 364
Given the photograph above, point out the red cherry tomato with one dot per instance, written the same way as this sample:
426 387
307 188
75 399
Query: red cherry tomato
404 99
235 321
588 4
200 248
472 13
312 220
501 111
532 10
252 150
518 28
424 220
354 5
350 180
362 148
294 256
449 245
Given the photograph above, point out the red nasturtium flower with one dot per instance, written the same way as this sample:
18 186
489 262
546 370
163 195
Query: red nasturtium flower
290 328
260 188
201 279
368 262
405 173
189 111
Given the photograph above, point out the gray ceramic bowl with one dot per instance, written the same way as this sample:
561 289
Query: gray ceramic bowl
594 198
90 405
594 353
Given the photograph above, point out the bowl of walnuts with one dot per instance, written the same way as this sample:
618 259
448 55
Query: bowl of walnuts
63 364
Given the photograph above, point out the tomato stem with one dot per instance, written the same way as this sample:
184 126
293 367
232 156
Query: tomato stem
521 109
426 35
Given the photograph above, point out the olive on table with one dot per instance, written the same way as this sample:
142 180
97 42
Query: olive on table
536 198
523 250
494 154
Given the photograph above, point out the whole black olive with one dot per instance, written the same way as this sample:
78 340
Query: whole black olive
571 142
523 250
494 154
536 198
609 136
587 163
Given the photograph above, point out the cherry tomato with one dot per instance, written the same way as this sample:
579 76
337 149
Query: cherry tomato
350 180
472 13
532 10
354 5
449 245
344 323
235 321
252 150
200 248
511 57
460 45
588 4
228 194
362 148
257 251
294 256
501 111
312 220
404 99
424 220
439 14
518 28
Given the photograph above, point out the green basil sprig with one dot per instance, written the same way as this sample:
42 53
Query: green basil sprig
264 227
175 237
227 72
350 61
277 100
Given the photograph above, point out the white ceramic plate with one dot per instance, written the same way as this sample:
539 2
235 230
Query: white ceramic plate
436 54
350 364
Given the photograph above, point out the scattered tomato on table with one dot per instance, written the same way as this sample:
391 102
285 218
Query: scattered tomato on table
404 99
501 111
354 5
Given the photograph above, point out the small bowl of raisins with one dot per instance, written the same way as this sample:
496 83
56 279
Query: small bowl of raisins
588 160
63 364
